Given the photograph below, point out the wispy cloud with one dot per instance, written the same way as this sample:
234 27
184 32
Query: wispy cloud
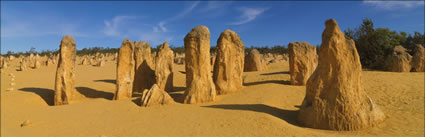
392 5
187 10
36 26
248 15
135 28
112 27
213 5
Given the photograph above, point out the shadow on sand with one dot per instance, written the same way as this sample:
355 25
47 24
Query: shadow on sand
284 82
137 101
112 81
46 94
274 73
177 94
178 89
92 93
289 116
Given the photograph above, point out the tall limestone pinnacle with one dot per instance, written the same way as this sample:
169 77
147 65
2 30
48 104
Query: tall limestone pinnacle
229 63
164 62
335 98
65 72
125 71
199 85
144 75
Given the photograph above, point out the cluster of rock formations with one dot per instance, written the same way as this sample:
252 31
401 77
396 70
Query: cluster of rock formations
335 98
97 60
401 61
32 61
179 59
138 72
154 76
274 58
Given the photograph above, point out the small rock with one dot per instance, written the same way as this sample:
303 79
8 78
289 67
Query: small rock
418 59
399 61
253 61
26 123
155 96
302 62
12 84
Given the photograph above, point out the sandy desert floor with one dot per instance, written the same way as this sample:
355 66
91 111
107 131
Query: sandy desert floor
266 106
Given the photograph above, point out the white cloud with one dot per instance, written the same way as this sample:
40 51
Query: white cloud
391 5
135 28
187 10
248 15
112 27
162 27
212 5
160 33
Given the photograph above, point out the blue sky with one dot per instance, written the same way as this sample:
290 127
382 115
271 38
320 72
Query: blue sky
42 24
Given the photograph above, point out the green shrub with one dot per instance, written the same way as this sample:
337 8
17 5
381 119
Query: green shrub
375 45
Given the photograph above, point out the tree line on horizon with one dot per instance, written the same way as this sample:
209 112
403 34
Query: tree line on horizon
374 45
277 49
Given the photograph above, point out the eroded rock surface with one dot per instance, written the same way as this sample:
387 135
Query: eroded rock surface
335 98
199 85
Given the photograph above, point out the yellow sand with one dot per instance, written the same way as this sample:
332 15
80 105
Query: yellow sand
266 106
